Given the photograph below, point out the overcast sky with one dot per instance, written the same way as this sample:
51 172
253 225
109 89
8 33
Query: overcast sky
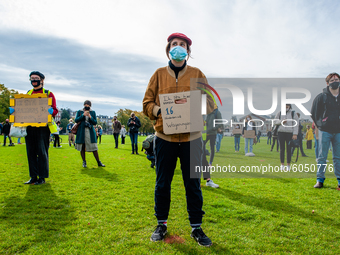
106 50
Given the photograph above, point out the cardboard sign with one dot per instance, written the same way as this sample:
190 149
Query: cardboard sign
181 117
31 110
237 131
249 134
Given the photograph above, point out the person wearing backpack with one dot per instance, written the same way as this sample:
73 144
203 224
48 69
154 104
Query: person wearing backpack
286 132
326 116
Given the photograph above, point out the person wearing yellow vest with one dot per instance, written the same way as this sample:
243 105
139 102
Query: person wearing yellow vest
309 137
38 138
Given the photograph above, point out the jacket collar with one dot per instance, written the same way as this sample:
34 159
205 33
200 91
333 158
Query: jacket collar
172 73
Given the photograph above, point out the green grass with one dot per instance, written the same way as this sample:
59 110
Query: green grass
110 210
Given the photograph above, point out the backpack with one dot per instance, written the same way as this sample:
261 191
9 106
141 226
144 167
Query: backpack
148 144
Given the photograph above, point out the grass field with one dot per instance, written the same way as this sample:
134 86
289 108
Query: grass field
110 210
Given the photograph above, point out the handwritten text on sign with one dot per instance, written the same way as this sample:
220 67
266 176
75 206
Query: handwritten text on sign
181 112
31 110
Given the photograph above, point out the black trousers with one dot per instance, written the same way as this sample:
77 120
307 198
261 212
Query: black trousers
190 155
116 136
56 141
275 140
10 139
309 144
123 139
284 139
37 144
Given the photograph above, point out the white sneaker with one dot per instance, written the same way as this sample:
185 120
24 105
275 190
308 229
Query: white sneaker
288 168
210 183
282 168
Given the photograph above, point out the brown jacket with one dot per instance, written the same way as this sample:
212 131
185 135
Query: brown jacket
116 127
163 81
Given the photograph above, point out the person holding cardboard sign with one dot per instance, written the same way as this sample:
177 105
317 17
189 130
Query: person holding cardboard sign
188 147
249 134
38 138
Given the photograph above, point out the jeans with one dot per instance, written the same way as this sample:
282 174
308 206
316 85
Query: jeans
249 141
237 143
316 142
219 138
211 139
269 140
134 141
116 136
325 139
190 155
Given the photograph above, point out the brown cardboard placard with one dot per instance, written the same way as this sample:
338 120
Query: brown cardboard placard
31 110
181 118
237 131
249 134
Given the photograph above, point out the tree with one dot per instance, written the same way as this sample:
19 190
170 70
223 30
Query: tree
5 95
146 124
63 124
65 114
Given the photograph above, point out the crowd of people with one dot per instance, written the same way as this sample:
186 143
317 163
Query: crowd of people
188 147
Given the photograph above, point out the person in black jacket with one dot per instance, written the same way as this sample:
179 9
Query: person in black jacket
5 130
134 125
326 115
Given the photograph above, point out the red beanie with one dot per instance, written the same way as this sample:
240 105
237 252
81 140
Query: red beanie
180 35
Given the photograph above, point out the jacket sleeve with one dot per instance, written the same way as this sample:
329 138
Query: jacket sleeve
150 108
317 110
93 119
129 123
79 117
54 104
138 124
296 128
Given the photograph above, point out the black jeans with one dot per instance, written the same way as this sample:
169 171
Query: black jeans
284 139
9 138
166 154
275 139
116 135
37 144
56 141
123 139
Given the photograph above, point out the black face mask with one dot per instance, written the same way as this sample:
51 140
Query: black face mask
37 81
334 85
87 108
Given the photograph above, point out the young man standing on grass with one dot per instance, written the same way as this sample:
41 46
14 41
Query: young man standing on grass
116 130
38 138
326 115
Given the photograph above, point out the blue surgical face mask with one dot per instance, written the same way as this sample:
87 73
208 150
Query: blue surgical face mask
178 53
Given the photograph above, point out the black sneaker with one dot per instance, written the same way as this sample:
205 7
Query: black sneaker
200 237
159 233
40 181
84 164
